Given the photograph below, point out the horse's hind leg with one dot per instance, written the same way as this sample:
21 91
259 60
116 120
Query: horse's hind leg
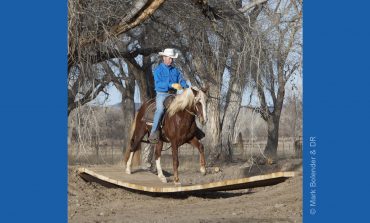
195 142
158 151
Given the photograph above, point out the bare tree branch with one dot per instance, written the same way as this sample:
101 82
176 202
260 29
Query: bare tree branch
251 5
123 26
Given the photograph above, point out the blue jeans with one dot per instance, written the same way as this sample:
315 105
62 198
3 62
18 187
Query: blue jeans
159 100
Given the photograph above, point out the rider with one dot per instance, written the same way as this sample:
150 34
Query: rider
167 78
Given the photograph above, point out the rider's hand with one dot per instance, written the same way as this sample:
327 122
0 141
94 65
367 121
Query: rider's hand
176 86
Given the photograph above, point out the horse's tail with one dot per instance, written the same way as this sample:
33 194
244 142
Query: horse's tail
133 126
130 139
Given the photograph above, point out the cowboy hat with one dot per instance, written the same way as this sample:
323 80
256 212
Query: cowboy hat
169 52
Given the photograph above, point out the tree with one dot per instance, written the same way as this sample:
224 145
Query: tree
280 59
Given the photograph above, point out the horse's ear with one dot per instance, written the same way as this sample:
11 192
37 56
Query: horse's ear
195 90
205 88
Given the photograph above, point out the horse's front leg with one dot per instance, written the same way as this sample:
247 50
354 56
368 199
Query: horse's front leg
129 163
175 162
158 151
195 142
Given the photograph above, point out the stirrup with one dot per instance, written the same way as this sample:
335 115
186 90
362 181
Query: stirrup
154 138
153 141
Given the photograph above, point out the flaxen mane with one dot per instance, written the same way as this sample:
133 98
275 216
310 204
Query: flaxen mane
181 101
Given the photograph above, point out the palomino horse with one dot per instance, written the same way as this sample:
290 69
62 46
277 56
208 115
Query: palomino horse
179 127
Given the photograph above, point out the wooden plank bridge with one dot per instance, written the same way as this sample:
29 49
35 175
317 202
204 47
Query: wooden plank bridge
148 182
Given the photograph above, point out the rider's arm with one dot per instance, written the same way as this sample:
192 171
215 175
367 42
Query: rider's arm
182 81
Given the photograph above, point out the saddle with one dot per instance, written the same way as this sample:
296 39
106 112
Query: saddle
150 110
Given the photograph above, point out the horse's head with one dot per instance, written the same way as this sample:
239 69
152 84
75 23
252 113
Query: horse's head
200 103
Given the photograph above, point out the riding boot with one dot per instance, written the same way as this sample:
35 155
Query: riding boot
154 137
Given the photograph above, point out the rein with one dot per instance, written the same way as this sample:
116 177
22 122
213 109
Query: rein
166 149
192 113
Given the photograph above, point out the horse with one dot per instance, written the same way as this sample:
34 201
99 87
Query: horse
179 127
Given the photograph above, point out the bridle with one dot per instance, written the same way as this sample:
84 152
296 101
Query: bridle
193 113
190 112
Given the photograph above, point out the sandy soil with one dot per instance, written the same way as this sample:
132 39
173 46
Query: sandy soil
92 202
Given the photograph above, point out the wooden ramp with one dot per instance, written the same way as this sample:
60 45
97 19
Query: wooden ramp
148 182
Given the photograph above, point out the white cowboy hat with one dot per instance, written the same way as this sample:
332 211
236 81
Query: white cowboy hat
169 52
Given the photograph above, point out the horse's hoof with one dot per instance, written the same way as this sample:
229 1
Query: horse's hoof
177 184
203 171
163 179
128 171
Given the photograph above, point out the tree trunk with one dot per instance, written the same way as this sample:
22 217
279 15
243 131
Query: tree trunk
273 122
143 76
149 84
273 136
212 129
213 139
232 107
128 111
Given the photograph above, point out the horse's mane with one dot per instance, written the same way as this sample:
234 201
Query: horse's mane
181 101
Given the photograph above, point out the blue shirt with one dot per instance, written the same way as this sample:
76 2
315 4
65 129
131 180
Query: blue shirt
165 76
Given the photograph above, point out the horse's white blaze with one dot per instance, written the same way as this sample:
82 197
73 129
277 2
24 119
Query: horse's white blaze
128 164
201 98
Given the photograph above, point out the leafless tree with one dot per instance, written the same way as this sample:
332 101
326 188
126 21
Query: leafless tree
280 58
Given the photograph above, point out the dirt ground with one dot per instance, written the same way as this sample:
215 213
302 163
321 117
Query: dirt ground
92 202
